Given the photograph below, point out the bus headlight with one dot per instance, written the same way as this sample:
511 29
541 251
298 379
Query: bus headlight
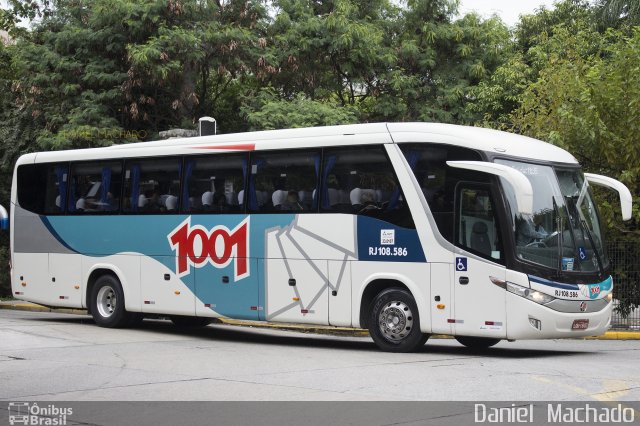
530 294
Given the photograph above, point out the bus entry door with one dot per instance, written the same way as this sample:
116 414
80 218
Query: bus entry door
479 308
479 276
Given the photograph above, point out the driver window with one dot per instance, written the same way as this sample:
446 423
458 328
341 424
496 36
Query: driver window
477 226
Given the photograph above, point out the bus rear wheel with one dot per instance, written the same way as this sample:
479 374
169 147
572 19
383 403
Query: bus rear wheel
394 323
477 342
107 304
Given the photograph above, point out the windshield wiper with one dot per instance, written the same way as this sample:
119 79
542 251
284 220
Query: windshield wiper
584 228
570 219
593 244
558 221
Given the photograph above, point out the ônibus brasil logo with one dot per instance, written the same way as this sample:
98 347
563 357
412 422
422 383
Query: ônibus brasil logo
196 246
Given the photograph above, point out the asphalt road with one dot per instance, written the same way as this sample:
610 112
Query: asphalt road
53 356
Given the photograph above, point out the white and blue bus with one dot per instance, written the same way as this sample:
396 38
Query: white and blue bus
407 229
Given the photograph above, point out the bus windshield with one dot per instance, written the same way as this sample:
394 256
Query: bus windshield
564 230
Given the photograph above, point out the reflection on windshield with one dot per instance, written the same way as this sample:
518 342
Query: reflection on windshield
563 232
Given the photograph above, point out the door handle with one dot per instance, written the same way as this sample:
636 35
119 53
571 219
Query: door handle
463 280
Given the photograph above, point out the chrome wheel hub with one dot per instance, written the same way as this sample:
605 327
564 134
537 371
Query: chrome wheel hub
106 301
395 321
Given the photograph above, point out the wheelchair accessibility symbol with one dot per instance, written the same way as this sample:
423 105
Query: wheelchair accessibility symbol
461 263
582 253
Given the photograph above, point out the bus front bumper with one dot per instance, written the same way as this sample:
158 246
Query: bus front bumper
530 320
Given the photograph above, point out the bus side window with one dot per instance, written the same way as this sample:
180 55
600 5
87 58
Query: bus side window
363 182
437 180
152 185
212 184
283 181
42 188
95 187
477 227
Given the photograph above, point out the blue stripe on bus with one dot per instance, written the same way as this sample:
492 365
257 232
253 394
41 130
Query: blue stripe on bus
605 285
554 284
50 227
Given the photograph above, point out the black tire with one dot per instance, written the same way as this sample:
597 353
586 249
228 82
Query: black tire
189 322
394 322
477 342
107 303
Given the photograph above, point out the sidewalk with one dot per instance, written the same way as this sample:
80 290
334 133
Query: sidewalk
19 305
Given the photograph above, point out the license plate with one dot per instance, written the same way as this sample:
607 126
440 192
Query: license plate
581 324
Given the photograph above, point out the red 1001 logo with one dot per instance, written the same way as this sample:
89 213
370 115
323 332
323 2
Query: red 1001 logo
196 246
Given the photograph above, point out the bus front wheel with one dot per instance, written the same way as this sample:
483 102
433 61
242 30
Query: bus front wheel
394 323
477 342
107 304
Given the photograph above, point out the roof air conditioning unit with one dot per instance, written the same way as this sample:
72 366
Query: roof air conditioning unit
207 126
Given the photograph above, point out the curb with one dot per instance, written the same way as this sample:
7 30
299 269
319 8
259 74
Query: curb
341 331
617 335
22 306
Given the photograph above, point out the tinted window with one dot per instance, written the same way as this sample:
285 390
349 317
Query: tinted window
362 181
477 227
95 187
214 184
152 185
42 188
283 181
438 181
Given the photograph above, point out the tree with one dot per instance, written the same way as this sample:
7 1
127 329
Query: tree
8 153
331 49
501 93
69 73
438 63
541 25
268 112
195 60
617 13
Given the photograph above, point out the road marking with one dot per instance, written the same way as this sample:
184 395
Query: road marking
612 391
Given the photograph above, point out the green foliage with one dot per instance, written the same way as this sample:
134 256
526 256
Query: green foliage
500 94
542 25
268 112
617 13
6 158
589 105
197 52
331 48
439 62
497 96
